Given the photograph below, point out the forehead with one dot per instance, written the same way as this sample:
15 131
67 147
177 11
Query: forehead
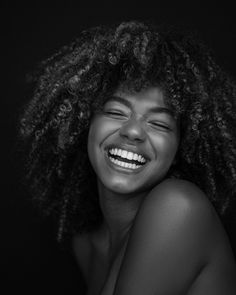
152 96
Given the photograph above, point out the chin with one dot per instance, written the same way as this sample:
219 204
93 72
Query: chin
123 186
120 187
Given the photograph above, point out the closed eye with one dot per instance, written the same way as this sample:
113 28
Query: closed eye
115 114
159 125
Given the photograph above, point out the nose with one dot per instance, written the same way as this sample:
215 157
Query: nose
133 130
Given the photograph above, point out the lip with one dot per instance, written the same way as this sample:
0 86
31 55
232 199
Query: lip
128 148
122 169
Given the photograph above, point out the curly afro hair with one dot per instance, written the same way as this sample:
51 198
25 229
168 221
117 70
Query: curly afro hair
77 80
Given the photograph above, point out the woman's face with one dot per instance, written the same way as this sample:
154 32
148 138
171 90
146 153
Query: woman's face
133 141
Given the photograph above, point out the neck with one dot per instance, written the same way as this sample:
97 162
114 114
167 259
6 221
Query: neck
119 211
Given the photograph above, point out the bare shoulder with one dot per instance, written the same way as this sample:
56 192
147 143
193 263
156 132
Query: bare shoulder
175 226
179 190
177 200
176 209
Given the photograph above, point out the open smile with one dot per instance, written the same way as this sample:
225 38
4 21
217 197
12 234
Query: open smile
125 160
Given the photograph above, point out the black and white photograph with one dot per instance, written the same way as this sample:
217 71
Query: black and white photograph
118 148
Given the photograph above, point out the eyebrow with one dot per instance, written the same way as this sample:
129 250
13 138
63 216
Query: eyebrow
151 110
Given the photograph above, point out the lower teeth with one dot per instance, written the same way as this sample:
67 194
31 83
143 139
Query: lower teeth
124 164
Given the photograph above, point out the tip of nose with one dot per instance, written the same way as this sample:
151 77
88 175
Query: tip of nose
133 131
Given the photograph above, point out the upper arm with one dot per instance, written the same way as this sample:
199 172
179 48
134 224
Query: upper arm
169 243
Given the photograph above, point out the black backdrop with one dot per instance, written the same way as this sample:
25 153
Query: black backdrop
30 257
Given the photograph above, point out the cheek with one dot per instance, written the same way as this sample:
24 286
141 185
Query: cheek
96 132
100 129
101 126
165 146
171 150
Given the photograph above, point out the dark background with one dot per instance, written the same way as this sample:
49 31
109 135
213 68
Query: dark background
31 260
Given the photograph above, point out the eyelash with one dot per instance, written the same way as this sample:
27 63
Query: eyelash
114 113
159 125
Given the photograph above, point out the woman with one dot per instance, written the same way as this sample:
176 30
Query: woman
132 148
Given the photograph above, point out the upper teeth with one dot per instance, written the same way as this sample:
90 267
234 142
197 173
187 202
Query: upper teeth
127 155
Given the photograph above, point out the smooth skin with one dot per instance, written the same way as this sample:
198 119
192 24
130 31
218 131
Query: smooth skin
138 122
159 236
